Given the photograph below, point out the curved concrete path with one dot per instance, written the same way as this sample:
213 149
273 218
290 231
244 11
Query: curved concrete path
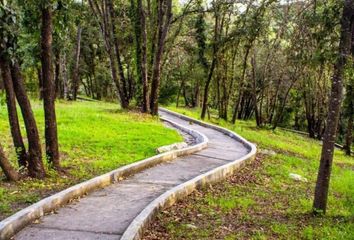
106 213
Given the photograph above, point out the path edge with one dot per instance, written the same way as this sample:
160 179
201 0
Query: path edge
16 222
137 227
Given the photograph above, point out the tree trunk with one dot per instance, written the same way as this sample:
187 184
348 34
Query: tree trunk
57 75
212 66
77 63
163 23
237 104
350 111
254 90
141 57
40 82
35 163
5 165
206 88
279 114
64 75
22 156
104 13
51 136
324 172
123 91
349 136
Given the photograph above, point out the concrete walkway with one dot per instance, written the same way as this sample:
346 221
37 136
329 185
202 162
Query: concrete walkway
106 213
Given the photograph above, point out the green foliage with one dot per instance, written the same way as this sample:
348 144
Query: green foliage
200 26
8 31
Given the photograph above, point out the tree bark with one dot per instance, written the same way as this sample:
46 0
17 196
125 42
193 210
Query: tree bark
57 75
254 90
163 23
40 82
324 172
350 111
206 88
22 156
116 46
244 67
5 165
212 66
141 57
35 163
51 136
349 136
77 63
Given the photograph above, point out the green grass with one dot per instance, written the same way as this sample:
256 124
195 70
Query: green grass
261 201
94 138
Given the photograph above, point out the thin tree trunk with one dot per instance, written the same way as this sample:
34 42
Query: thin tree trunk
22 156
51 135
324 172
40 82
237 104
212 67
35 163
77 63
57 75
123 91
254 90
279 114
64 74
104 13
350 96
5 165
141 57
164 21
349 136
206 88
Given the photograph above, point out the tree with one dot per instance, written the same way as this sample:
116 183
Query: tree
75 85
51 135
141 52
106 16
164 16
349 103
9 57
5 165
12 114
324 172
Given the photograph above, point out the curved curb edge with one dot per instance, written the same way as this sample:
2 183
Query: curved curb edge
141 222
13 224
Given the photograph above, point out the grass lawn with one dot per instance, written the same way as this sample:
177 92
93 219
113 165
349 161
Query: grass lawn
94 138
261 201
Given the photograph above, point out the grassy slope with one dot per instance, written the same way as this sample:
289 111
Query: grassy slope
262 202
94 138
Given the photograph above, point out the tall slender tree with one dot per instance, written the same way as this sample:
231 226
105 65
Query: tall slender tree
75 85
349 102
51 135
12 113
9 59
35 163
164 16
324 172
141 51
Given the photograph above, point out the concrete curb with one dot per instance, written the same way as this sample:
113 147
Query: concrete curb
140 223
13 224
